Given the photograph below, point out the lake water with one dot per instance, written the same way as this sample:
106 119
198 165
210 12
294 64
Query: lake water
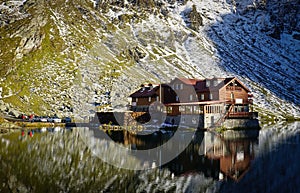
90 160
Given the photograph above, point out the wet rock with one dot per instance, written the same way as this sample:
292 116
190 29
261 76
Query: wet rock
135 53
25 98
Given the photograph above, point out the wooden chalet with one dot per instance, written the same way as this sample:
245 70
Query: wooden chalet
144 97
202 102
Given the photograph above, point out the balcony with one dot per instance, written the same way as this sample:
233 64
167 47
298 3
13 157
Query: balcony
248 115
235 101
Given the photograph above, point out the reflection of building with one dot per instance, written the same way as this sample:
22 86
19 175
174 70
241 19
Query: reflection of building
235 156
207 153
237 162
203 103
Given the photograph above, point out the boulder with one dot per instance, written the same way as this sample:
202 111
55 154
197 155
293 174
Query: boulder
195 19
14 113
3 106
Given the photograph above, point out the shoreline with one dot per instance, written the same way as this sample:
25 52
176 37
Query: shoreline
38 124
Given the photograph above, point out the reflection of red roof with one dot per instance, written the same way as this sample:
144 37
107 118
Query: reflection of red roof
145 92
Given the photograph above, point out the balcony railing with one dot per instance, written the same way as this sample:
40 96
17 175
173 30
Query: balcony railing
249 115
233 101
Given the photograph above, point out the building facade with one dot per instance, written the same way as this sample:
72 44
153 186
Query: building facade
201 103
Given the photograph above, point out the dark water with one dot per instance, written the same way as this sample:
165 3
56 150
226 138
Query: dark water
89 160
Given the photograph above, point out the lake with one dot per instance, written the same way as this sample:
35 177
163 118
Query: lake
91 160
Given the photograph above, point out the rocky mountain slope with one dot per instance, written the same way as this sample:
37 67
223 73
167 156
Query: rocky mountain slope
66 56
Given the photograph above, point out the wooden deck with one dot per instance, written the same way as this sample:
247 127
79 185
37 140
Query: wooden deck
248 115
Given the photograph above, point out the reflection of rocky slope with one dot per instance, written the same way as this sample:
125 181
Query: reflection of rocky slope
65 55
61 162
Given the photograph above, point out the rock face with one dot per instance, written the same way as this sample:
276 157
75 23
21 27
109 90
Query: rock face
3 106
284 15
279 16
76 57
195 19
11 11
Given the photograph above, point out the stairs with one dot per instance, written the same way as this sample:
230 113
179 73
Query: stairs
222 119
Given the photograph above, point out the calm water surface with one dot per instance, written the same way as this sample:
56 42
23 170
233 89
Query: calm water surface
89 160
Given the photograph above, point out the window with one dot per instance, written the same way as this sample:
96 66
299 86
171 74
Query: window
163 109
207 83
191 97
189 109
176 87
215 82
177 98
197 109
137 99
231 95
157 98
182 109
181 86
201 109
149 99
169 109
202 97
210 96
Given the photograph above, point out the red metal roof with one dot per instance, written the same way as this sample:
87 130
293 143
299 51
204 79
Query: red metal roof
199 85
189 81
197 103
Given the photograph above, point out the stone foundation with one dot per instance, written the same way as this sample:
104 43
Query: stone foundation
241 123
240 134
193 121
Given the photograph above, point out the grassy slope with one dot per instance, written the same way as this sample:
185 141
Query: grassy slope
78 37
